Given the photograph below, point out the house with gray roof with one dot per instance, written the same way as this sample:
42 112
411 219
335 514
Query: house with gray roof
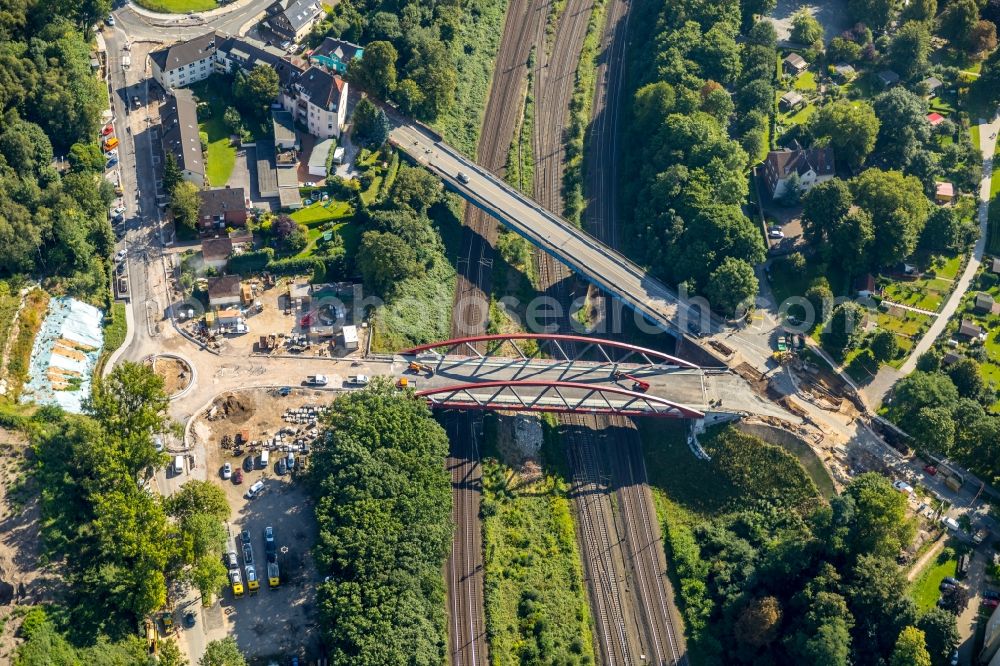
179 130
808 167
184 63
293 19
318 100
335 54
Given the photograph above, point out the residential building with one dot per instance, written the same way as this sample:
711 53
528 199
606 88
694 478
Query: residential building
984 303
242 240
808 166
180 138
888 78
267 172
288 189
318 100
794 64
284 130
222 207
245 53
944 192
319 157
293 19
215 252
844 72
184 63
790 100
864 286
931 83
335 54
971 330
224 291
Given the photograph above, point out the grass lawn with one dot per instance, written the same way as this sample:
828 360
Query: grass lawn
925 587
178 6
787 282
533 589
942 104
974 133
320 212
114 335
947 267
797 118
474 52
221 155
8 308
806 80
926 294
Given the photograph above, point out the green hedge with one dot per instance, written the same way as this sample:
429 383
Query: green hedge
293 265
250 262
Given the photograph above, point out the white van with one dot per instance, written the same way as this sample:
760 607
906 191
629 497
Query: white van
178 465
264 457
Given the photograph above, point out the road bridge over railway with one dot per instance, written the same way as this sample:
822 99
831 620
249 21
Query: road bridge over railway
608 269
573 374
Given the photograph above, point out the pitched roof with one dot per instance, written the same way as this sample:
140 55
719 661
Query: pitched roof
184 53
213 249
248 53
216 202
934 118
179 120
932 83
320 87
795 60
888 77
944 189
301 12
784 162
226 285
791 98
969 329
345 51
984 301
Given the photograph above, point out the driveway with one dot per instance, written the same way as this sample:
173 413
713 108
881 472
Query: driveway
968 620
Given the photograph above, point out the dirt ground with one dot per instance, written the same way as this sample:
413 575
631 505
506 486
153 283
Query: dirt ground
176 374
278 622
22 583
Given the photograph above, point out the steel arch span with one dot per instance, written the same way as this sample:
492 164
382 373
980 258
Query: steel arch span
563 348
566 397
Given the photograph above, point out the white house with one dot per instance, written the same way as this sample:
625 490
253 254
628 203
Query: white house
224 291
809 167
184 63
318 100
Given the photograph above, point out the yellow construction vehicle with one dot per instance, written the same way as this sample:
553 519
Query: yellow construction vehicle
421 367
273 579
237 583
252 583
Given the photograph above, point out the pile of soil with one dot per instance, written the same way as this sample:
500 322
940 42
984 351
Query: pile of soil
176 374
235 408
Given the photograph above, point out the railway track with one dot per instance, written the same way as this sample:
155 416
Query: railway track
466 634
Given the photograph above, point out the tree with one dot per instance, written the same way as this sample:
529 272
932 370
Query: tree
929 361
904 128
290 235
806 29
920 10
198 497
983 38
257 89
898 209
762 33
87 157
958 21
371 123
759 622
940 634
844 329
233 119
172 176
850 127
384 259
933 428
876 14
753 8
987 86
841 49
955 599
416 189
433 71
880 526
820 296
883 345
966 377
185 203
376 71
731 285
910 49
822 208
850 242
223 652
879 603
910 649
170 654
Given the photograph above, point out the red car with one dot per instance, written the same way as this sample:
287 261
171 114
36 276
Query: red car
991 603
930 469
237 476
108 129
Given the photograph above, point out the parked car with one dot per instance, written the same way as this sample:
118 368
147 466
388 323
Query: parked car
189 618
248 464
991 594
991 603
238 477
111 22
463 178
120 270
950 580
775 232
255 490
119 210
108 129
227 471
954 658
310 184
280 467
113 162
120 255
945 586
245 536
902 486
930 469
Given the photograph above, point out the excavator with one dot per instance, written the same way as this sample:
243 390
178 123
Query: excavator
637 384
421 367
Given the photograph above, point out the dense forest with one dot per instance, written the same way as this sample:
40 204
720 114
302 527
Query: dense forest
116 540
53 223
684 178
770 574
383 503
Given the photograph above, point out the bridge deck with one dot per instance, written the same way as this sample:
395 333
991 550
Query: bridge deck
592 259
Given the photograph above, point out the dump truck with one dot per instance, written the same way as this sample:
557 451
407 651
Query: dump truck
358 380
273 579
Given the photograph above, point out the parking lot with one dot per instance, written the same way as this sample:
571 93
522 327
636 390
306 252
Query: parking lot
272 622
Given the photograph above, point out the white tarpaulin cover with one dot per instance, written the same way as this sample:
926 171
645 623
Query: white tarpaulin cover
66 350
